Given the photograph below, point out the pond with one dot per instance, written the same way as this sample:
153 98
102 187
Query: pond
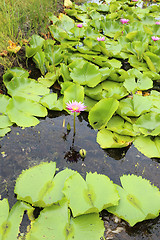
50 141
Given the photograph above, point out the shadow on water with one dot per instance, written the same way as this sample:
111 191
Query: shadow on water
50 141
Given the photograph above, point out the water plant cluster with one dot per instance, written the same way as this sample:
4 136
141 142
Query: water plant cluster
70 212
106 56
18 21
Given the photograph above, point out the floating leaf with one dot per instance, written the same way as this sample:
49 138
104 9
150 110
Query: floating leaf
89 102
107 139
91 195
49 79
52 102
134 106
139 200
5 123
4 131
102 112
120 126
114 89
148 124
75 92
26 88
94 93
41 176
155 59
55 222
54 192
22 111
141 66
149 146
133 84
53 54
10 221
88 74
110 27
50 224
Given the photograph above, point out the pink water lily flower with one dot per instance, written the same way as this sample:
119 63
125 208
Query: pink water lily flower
124 20
155 38
80 25
100 38
158 23
75 106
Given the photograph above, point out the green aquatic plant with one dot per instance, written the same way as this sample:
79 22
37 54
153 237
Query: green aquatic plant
114 78
68 211
135 201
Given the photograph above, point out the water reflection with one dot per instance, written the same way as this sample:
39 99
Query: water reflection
50 141
73 154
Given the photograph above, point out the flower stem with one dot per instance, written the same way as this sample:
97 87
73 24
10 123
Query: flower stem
74 123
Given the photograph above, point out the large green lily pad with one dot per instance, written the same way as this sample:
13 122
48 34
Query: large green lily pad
139 200
91 195
102 112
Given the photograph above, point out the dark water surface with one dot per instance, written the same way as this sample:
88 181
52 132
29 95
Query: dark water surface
50 141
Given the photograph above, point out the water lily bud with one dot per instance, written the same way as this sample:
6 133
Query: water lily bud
68 127
82 152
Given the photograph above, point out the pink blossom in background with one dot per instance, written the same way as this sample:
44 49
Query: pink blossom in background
80 25
158 23
134 0
155 38
124 20
75 106
100 38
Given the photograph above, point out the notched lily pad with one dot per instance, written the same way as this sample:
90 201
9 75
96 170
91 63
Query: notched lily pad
22 111
10 221
139 200
92 195
32 184
56 223
26 88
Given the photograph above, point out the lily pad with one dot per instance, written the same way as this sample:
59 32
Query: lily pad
87 74
148 124
10 221
55 222
91 195
149 146
139 200
120 126
22 111
26 88
108 139
41 176
74 92
52 102
135 106
5 123
114 89
102 112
